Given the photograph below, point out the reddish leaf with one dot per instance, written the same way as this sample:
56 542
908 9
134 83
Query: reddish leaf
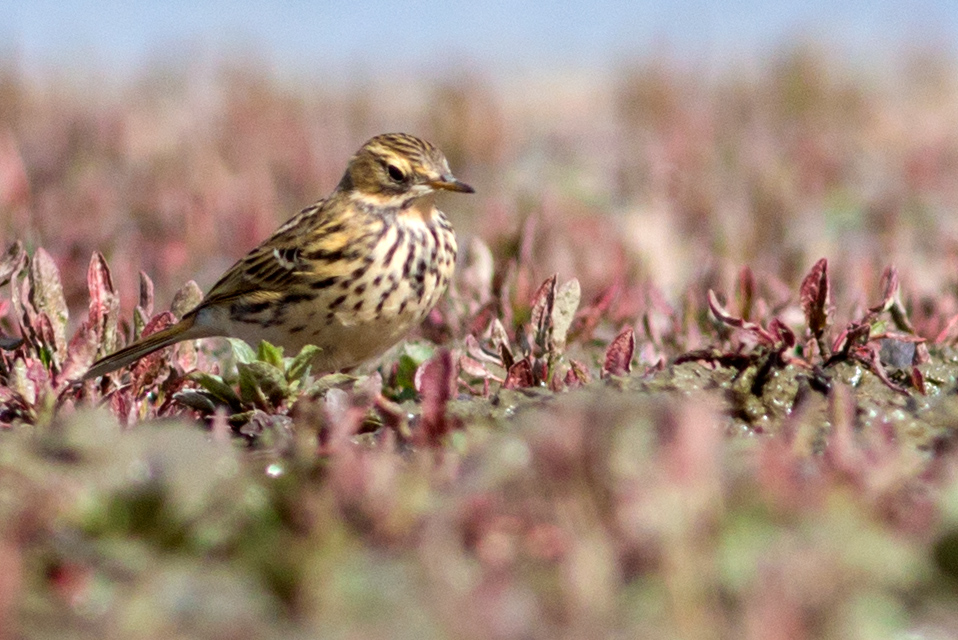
725 317
436 384
519 375
146 370
81 352
785 335
473 367
577 375
104 304
868 355
46 296
618 357
543 302
475 351
815 298
889 287
121 405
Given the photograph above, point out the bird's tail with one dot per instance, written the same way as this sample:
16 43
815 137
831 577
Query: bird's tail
185 329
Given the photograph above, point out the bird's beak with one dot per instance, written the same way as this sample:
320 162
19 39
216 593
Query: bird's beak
450 183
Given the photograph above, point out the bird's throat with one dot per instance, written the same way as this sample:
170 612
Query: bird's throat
422 209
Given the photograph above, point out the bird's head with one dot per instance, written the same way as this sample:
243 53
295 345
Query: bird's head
397 168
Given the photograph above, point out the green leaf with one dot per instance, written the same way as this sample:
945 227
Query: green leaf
217 388
419 351
298 367
195 400
261 384
241 351
329 381
270 355
414 354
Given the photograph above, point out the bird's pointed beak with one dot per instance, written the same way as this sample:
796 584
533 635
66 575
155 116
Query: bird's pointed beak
450 183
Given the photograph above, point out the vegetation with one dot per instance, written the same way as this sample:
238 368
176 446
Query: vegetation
696 377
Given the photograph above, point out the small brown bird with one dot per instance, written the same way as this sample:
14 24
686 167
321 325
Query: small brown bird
351 274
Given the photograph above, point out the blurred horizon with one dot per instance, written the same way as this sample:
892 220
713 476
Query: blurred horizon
379 39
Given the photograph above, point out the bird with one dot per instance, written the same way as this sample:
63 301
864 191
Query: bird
351 274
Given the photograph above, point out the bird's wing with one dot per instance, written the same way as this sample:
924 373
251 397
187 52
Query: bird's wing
279 264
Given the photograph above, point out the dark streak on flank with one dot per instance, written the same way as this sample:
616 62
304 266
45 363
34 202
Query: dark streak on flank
338 302
407 266
296 298
297 329
324 283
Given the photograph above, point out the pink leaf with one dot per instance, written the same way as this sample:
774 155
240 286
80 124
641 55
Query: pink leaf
436 384
889 287
815 298
543 302
618 357
81 352
519 375
104 304
577 375
46 296
473 367
725 317
146 370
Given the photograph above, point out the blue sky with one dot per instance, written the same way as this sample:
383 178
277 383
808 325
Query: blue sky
315 35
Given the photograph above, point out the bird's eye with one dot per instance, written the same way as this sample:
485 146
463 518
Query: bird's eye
396 173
